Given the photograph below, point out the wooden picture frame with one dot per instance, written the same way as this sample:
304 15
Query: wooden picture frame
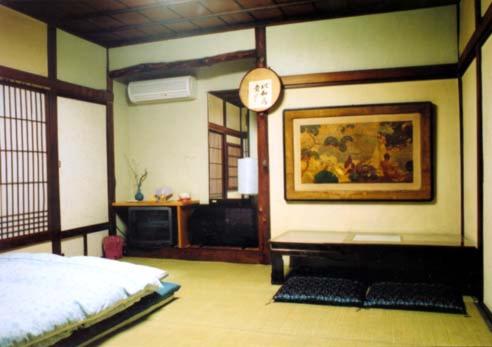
366 152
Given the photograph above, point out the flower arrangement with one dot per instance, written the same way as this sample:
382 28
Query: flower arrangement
139 179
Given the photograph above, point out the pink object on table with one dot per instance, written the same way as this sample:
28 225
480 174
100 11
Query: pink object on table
113 247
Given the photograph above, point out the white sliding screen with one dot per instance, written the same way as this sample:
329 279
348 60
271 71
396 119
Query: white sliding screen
83 170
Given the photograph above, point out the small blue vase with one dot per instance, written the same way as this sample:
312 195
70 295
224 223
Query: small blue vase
138 195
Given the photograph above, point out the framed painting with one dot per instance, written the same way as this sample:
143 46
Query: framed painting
369 152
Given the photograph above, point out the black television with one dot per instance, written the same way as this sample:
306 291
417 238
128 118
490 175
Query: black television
150 227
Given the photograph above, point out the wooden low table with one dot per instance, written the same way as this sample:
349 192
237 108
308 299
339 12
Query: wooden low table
360 245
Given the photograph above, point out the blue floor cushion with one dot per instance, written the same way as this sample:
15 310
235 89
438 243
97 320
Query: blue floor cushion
321 290
415 296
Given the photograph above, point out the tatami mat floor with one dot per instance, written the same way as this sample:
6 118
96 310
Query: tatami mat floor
223 304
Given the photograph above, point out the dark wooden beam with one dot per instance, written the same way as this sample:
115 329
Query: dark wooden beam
223 130
480 171
417 73
157 70
25 240
54 222
65 234
62 88
480 35
263 159
110 152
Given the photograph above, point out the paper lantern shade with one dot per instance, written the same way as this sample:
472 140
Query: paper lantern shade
248 176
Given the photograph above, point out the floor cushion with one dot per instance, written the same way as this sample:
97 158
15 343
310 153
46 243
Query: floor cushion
321 290
415 296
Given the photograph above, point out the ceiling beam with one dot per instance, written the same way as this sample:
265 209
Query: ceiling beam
156 70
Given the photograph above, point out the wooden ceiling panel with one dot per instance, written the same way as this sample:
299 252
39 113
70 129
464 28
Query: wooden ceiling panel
155 29
190 9
106 5
209 22
159 13
130 33
118 22
218 6
137 3
105 22
182 26
237 18
254 3
273 13
299 10
131 18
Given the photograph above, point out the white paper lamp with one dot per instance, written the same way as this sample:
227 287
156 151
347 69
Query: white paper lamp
248 176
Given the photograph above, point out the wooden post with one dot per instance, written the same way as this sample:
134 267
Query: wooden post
110 151
54 223
263 164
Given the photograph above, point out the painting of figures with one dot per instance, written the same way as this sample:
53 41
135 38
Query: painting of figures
380 152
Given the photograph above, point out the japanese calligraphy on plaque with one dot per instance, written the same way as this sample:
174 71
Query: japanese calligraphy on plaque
260 93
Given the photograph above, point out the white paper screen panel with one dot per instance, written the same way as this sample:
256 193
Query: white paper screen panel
83 171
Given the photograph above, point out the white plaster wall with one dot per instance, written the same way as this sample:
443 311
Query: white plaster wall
80 61
83 171
408 38
440 216
170 139
470 152
487 155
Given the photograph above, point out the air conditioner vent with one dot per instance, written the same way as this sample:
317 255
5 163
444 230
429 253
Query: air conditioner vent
161 90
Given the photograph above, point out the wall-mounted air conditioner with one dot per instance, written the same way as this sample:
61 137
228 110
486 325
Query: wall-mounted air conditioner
161 90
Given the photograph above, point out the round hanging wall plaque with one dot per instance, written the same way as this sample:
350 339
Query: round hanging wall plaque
260 89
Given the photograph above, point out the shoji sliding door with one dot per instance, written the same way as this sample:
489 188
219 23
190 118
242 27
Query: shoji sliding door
83 171
23 163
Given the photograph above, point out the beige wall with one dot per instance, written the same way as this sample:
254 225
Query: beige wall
440 216
80 61
409 38
83 164
44 247
23 42
470 152
182 49
487 155
467 22
485 5
170 139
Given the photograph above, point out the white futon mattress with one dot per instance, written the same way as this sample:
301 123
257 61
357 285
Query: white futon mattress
44 296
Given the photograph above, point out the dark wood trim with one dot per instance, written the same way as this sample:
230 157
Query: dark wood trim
480 165
226 131
478 12
110 152
263 159
485 313
65 234
54 221
64 89
86 247
227 254
479 37
428 72
462 163
157 70
25 240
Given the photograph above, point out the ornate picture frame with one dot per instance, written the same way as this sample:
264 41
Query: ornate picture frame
367 152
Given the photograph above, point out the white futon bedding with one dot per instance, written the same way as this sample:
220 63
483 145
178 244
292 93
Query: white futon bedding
43 296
